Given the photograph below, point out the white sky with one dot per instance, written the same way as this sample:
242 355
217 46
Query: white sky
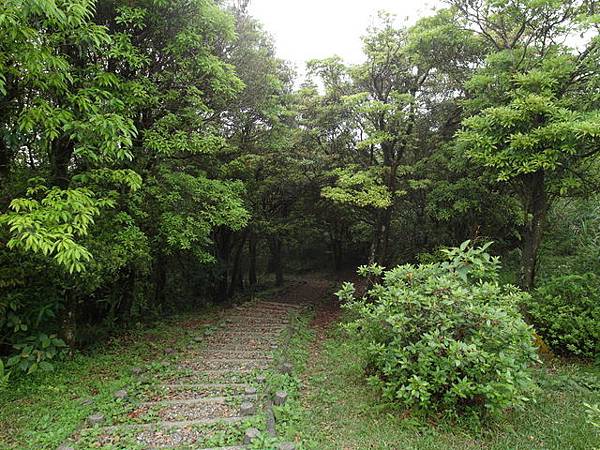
308 29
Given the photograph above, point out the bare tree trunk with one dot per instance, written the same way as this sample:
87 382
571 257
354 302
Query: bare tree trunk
69 320
252 246
337 247
60 157
236 272
276 247
4 160
536 210
223 242
160 279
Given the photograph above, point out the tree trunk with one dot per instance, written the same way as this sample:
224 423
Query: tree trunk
252 246
4 160
536 207
384 254
337 247
236 271
160 279
276 260
60 157
223 242
69 320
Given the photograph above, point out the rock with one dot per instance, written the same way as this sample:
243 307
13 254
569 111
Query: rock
169 351
87 402
286 446
250 390
250 435
65 447
280 398
121 394
274 346
261 379
247 409
198 339
286 368
176 438
95 419
137 371
165 364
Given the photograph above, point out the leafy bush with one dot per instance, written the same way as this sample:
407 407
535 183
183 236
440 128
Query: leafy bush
437 339
593 414
4 376
36 352
566 312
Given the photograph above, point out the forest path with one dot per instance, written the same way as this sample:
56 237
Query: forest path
213 391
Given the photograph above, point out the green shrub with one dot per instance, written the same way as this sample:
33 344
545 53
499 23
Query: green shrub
36 352
593 414
4 376
566 313
436 339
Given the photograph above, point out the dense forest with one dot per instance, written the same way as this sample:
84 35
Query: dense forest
157 156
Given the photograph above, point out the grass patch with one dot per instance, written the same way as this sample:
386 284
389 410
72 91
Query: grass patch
341 411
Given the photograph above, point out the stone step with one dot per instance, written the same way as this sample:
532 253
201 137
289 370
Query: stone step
257 324
182 438
243 339
239 447
214 376
249 314
166 424
196 401
235 354
260 313
235 345
265 310
201 386
280 304
256 331
267 333
224 364
264 325
257 319
193 392
198 410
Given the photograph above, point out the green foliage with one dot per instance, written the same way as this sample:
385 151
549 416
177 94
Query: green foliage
535 130
35 353
51 225
358 188
566 312
472 263
436 341
4 376
593 414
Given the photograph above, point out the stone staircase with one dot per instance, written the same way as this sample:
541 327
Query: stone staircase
211 392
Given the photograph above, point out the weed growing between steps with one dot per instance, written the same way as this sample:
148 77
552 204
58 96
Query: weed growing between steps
342 411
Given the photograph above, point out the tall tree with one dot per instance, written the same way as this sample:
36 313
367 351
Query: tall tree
533 125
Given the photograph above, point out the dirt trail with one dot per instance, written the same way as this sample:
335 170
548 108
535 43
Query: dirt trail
212 391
